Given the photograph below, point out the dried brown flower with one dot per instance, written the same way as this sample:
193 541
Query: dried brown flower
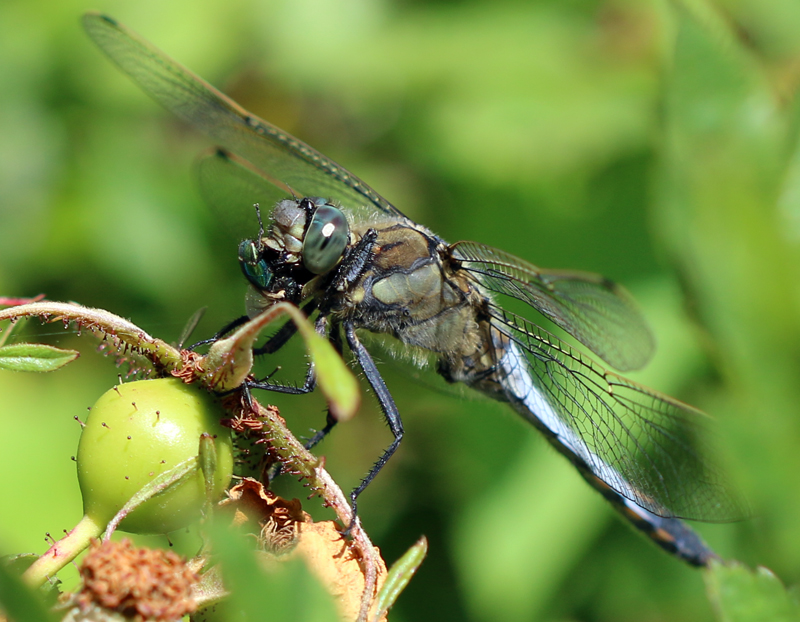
283 529
277 518
140 583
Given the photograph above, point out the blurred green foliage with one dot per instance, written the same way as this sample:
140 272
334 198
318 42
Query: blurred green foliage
743 595
651 141
259 593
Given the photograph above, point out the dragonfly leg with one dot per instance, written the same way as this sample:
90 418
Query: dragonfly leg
230 326
387 405
277 341
285 332
330 421
335 337
355 262
310 383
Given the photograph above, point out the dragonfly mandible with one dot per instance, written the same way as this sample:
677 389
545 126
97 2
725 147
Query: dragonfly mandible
355 263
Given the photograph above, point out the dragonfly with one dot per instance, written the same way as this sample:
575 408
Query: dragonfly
357 264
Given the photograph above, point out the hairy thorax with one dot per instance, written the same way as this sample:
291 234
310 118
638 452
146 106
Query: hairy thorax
412 291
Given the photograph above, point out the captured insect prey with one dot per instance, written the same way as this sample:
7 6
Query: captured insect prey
353 262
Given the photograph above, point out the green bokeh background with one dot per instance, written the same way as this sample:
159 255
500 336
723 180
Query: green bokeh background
650 141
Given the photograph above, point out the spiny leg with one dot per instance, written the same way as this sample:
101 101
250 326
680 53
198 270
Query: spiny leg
387 405
229 327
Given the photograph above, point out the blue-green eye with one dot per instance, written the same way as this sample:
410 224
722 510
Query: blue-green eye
326 238
255 269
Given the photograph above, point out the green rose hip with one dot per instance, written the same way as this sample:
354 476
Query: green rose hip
139 430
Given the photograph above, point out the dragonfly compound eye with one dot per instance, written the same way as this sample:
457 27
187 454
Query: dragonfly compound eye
326 238
255 269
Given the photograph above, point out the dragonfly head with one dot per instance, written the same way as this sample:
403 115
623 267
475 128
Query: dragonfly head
310 231
326 236
307 238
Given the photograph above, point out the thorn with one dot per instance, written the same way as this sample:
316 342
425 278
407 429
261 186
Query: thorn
73 458
78 419
134 406
105 425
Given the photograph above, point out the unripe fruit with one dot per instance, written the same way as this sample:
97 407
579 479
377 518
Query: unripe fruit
139 430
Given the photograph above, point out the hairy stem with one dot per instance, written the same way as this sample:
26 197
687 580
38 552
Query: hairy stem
63 551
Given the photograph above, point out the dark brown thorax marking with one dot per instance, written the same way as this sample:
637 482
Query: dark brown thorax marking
413 291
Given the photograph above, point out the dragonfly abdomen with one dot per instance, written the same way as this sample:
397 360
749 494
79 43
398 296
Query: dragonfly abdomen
531 401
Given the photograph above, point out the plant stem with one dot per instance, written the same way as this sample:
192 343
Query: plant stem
63 551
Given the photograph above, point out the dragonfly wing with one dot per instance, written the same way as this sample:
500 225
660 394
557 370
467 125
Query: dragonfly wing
230 186
284 157
648 447
597 312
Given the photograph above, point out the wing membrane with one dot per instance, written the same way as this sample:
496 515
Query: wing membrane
646 446
597 312
231 188
287 159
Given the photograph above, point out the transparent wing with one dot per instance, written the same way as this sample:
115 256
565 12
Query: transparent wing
597 312
231 187
270 149
647 447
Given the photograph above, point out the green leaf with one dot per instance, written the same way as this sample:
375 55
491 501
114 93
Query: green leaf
34 357
207 457
159 484
399 576
334 378
287 591
229 360
19 602
49 591
740 594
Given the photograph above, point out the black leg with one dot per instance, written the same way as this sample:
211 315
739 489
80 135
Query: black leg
310 382
286 332
278 340
311 378
314 440
387 406
355 262
335 337
221 333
